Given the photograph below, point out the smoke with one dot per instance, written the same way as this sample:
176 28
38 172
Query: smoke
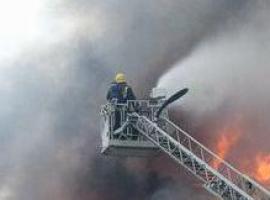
228 79
51 92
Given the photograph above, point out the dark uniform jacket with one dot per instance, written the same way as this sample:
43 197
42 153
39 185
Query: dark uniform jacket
120 91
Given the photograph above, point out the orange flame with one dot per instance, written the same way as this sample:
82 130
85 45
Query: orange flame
229 136
262 172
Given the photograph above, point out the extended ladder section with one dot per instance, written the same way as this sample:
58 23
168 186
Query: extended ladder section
218 177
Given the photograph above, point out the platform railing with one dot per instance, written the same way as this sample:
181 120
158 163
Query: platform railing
114 112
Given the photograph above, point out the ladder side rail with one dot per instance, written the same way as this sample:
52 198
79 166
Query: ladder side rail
232 174
177 159
185 140
194 172
143 125
152 134
202 146
191 145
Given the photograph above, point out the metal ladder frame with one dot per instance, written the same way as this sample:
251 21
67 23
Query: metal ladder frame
225 182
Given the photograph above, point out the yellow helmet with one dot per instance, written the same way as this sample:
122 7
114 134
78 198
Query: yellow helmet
120 78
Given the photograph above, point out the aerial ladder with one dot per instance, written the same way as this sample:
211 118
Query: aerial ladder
141 132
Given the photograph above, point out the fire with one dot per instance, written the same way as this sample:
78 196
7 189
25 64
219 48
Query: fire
229 137
262 172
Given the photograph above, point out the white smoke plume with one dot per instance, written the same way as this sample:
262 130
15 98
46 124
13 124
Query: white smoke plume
228 80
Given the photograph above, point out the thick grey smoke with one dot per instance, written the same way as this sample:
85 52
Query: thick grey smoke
51 93
228 78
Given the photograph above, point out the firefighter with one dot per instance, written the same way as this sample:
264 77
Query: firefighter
120 92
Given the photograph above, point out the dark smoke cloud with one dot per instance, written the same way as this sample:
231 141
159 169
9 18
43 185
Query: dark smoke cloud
51 93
